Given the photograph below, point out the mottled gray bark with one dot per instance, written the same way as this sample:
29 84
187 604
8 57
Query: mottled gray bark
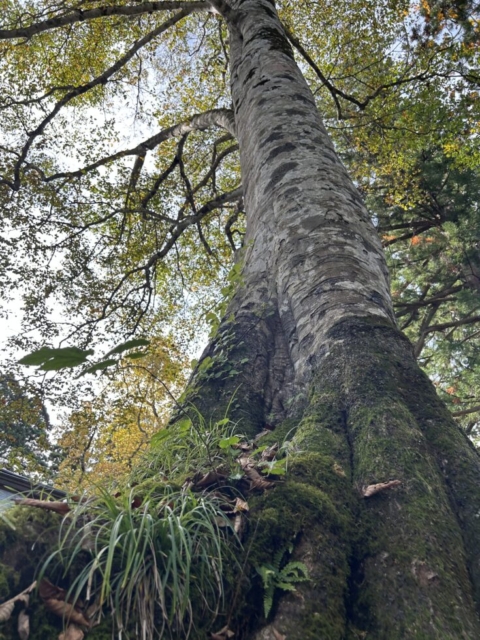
311 245
314 318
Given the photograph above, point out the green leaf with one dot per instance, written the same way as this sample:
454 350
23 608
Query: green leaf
276 471
205 364
286 586
136 355
37 357
129 344
4 518
160 436
228 442
99 366
54 359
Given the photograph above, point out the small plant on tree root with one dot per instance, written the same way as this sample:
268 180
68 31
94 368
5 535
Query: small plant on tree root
285 578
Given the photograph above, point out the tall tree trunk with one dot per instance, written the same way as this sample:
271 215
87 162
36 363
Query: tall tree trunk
313 330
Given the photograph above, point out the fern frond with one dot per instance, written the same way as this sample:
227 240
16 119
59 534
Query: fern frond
286 586
277 559
268 601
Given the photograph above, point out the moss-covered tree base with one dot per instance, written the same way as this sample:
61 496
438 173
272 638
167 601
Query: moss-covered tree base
400 564
394 565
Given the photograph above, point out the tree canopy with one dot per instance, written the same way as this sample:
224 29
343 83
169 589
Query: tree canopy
119 173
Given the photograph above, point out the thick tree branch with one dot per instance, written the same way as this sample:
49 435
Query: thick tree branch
222 118
77 15
223 8
465 412
78 91
453 324
442 296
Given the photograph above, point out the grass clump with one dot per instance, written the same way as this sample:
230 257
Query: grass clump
148 561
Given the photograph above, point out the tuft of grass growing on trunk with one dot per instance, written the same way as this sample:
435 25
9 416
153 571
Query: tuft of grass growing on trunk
149 561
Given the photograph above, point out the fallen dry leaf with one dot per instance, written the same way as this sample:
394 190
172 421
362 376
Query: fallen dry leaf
66 610
338 470
240 505
278 636
23 625
270 452
372 489
238 524
212 477
263 433
47 590
423 573
7 607
6 610
58 507
72 632
243 446
256 480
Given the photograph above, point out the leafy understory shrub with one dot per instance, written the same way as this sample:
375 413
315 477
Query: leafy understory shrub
150 561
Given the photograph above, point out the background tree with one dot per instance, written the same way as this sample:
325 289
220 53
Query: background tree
25 444
309 332
103 439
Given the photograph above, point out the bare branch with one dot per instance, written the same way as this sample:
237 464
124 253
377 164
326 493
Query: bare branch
77 15
464 412
424 329
453 324
164 175
442 296
410 234
323 79
211 172
178 229
175 231
230 222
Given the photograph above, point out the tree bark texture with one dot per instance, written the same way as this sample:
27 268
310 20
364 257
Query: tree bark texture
313 334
